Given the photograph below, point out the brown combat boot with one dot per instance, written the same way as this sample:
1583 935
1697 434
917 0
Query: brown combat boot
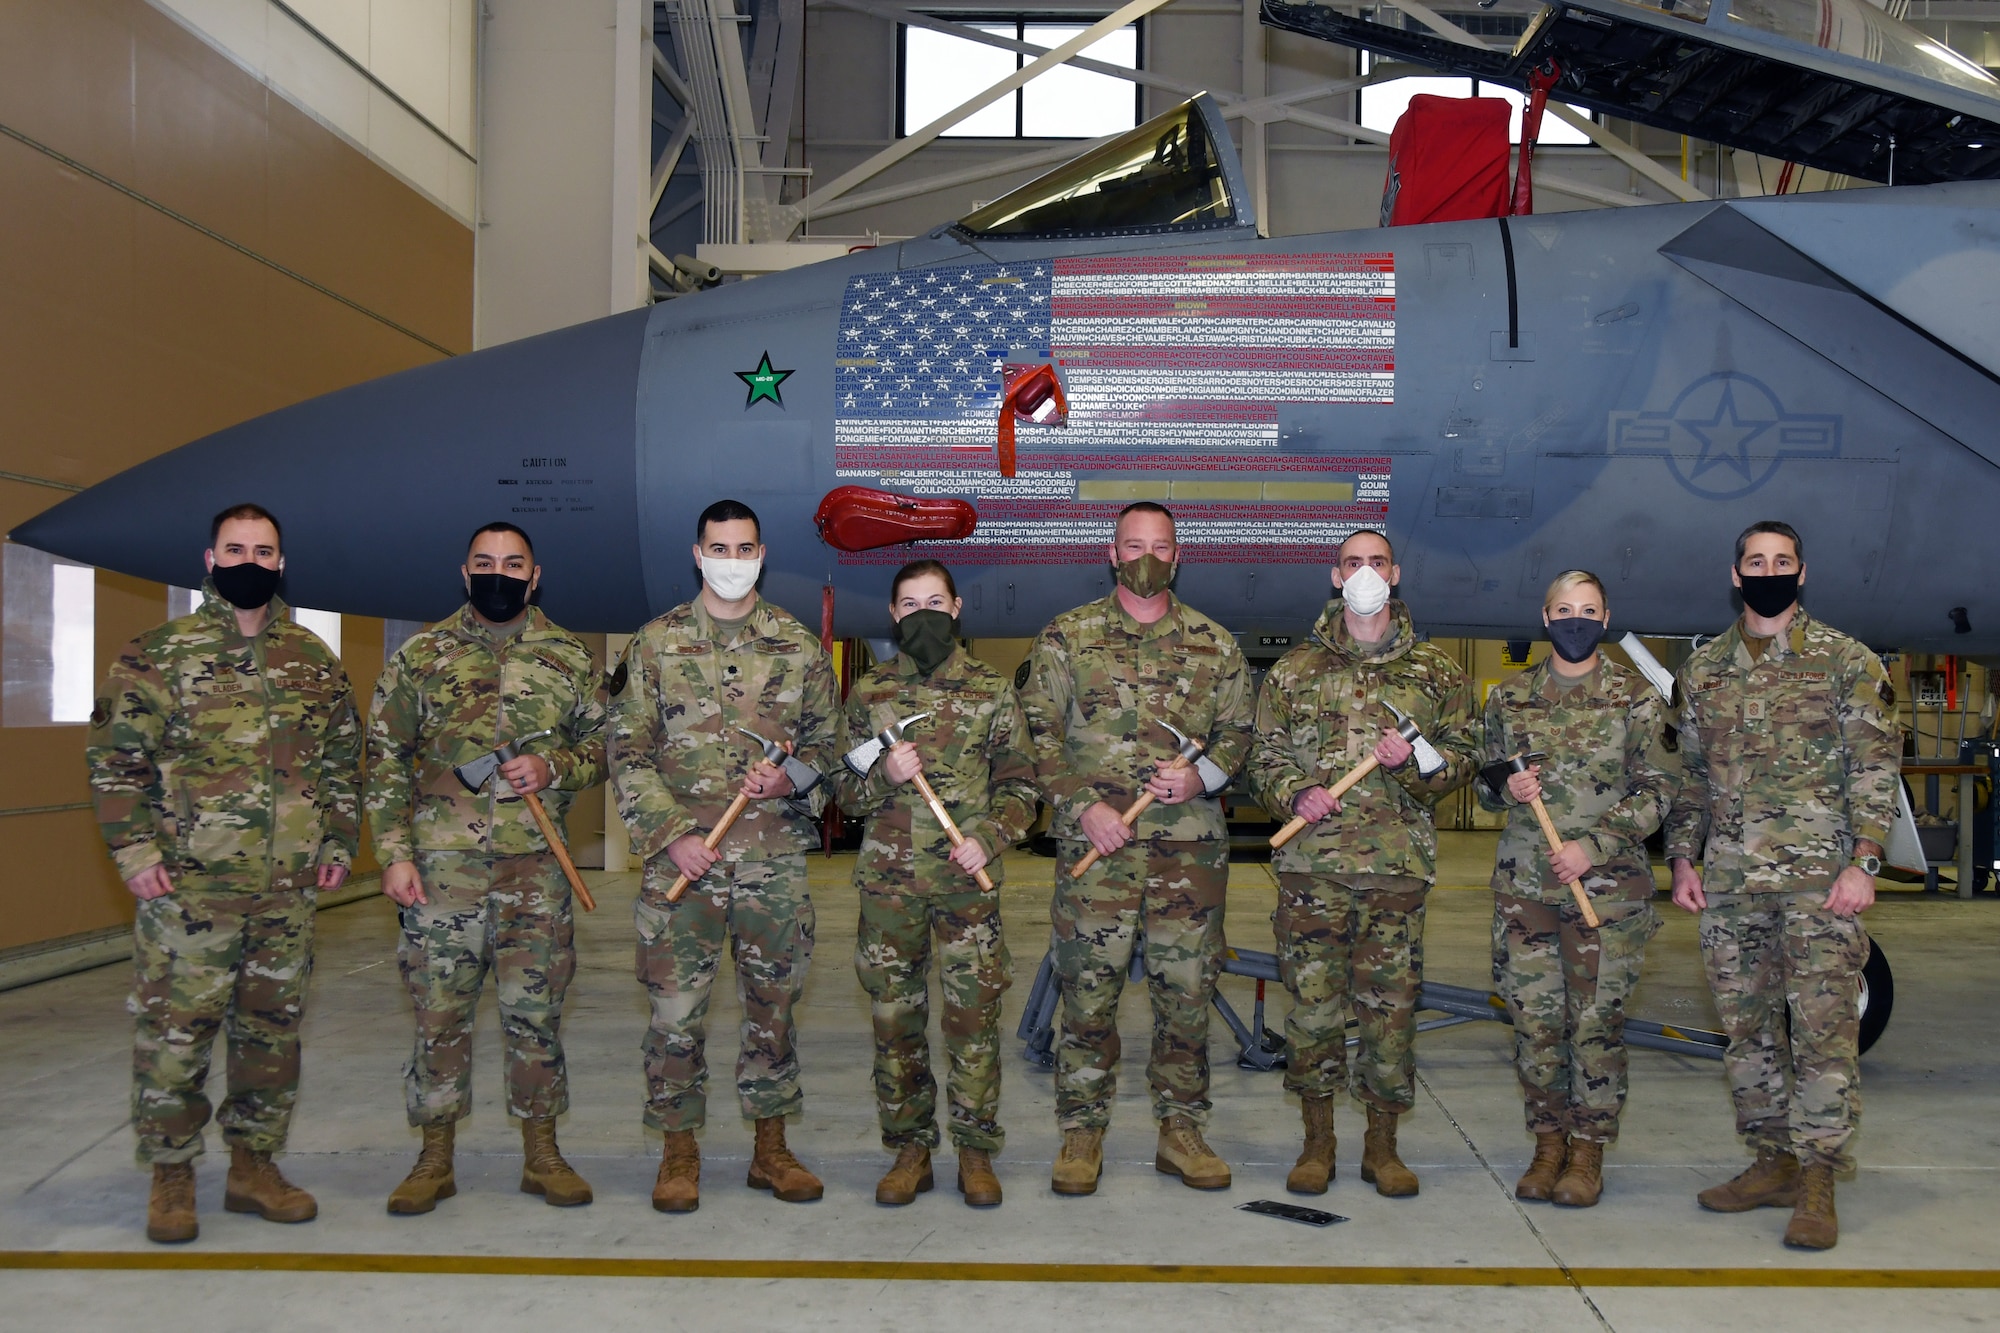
773 1168
1772 1181
1814 1225
1379 1164
1183 1152
1582 1183
543 1170
1538 1182
170 1210
1080 1161
255 1185
976 1180
431 1178
677 1189
1315 1164
909 1177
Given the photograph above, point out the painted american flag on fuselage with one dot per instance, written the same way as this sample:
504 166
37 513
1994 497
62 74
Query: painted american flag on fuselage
1158 352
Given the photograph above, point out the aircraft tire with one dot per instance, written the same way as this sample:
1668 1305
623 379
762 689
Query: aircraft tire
1878 995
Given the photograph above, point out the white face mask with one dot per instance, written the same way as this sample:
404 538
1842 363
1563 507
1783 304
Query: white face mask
731 580
1366 592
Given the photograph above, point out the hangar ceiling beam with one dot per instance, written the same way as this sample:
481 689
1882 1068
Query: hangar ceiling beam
805 208
670 158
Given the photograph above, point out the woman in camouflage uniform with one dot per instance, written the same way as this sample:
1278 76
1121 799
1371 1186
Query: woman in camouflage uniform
1607 782
914 884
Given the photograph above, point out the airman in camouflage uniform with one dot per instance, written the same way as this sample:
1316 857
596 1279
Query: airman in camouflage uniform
972 749
1102 680
1606 783
476 882
688 682
1793 758
225 765
1352 885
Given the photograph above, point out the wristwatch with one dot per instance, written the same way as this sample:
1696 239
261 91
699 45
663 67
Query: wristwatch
1871 864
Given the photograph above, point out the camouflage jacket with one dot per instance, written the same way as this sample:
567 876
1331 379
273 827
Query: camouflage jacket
1606 783
452 694
677 758
1320 713
975 751
1099 683
1789 759
227 758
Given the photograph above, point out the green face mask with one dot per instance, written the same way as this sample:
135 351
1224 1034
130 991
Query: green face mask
1148 576
927 638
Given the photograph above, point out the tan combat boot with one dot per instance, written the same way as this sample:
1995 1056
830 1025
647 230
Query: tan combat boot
1080 1161
677 1189
1538 1182
976 1180
170 1210
255 1185
1814 1225
909 1177
432 1177
1582 1182
1315 1164
1184 1153
1380 1166
543 1170
1772 1181
773 1168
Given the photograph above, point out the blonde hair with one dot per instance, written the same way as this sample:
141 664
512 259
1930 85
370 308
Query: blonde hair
1568 579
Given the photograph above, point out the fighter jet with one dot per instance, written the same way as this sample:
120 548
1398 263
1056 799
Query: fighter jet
1621 390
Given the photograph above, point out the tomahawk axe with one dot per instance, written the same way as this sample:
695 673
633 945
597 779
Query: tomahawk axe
480 771
1495 776
863 756
773 753
1428 759
1189 752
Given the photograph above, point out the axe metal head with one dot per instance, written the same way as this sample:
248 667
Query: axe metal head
1190 747
773 751
892 733
479 772
1495 774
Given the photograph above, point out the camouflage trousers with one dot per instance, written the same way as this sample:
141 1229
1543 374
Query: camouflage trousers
1767 954
1358 939
510 915
1172 893
1565 986
212 958
892 955
761 909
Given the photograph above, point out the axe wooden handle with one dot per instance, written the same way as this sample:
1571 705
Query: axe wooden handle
950 829
1337 790
548 825
1555 845
680 885
1128 819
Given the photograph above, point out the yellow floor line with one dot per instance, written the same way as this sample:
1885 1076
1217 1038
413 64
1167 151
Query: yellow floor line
206 1261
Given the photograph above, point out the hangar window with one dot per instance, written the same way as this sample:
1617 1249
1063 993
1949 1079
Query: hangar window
1383 103
50 639
940 70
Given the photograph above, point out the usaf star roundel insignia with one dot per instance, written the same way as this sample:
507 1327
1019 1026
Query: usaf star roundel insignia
763 382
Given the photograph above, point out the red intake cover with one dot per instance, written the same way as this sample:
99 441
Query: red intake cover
1447 161
855 518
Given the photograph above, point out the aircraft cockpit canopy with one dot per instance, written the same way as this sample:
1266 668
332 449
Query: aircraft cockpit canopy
1177 172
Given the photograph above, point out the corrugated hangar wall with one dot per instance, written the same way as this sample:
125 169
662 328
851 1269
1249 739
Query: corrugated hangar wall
184 248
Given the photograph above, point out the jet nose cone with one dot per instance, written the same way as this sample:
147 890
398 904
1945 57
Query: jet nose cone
380 485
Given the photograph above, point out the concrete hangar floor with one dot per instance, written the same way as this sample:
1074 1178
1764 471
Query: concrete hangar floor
1918 1249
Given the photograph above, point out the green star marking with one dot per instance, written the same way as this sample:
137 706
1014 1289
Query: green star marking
763 381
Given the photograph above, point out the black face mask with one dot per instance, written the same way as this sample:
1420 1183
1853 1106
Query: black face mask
1575 637
246 586
1769 594
499 598
928 637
